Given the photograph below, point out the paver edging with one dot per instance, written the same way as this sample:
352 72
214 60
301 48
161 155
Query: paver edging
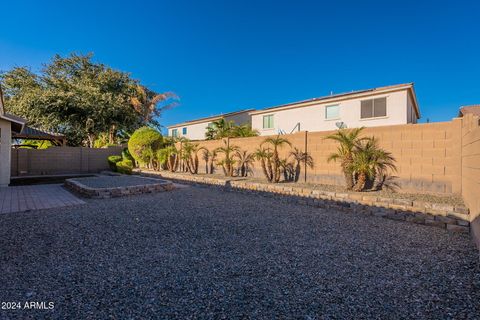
113 192
452 218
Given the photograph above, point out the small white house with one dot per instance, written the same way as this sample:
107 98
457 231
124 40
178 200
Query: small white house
382 106
196 129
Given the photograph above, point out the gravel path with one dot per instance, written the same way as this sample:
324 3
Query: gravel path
204 253
116 181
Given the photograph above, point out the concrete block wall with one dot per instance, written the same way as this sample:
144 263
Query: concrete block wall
428 156
60 160
470 170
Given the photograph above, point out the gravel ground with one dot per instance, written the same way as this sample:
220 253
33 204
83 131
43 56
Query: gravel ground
116 181
205 253
427 197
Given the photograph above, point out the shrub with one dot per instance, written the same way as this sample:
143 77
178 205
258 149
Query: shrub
143 145
125 166
112 162
126 155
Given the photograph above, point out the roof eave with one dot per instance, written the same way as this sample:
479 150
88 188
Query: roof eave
340 97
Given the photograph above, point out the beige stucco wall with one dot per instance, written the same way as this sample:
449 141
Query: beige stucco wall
312 117
5 150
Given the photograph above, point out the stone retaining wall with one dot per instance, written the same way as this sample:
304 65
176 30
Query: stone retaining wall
104 193
433 214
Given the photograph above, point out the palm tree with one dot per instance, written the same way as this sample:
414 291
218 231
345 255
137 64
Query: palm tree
145 102
209 157
382 161
245 162
190 156
370 161
288 170
348 141
275 143
300 157
228 161
264 156
244 130
219 129
168 158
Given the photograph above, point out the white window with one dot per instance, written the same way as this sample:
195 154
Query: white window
268 121
332 112
174 133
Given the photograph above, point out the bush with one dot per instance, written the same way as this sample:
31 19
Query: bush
143 145
126 155
125 166
112 162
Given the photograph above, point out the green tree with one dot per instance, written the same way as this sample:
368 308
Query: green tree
348 141
300 158
228 129
77 97
229 154
143 145
149 104
370 163
190 156
244 130
274 164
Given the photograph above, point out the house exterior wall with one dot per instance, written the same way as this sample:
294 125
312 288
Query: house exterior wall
411 115
196 131
242 118
5 151
312 117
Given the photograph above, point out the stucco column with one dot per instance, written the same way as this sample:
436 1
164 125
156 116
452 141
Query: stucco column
5 152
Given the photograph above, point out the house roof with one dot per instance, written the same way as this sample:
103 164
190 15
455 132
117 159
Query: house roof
17 122
344 96
208 119
474 109
37 134
2 110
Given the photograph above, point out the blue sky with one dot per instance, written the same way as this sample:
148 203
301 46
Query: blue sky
221 56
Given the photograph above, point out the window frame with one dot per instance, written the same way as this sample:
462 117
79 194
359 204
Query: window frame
175 133
271 123
338 112
184 131
373 109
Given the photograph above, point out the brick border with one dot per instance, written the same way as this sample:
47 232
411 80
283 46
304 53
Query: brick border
105 193
428 213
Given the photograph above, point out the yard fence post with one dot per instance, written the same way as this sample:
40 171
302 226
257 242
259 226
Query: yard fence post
306 152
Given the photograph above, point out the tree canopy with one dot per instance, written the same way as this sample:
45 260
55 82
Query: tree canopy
82 99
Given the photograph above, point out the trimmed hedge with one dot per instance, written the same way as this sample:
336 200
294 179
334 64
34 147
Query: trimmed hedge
112 162
143 143
125 166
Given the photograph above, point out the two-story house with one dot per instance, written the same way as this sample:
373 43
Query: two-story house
196 129
382 106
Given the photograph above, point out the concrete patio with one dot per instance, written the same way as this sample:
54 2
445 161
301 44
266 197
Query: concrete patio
35 197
